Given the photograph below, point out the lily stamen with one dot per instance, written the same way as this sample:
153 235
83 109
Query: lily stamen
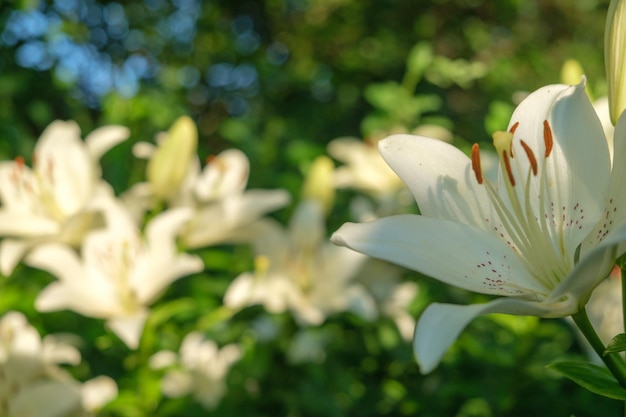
547 137
531 156
476 163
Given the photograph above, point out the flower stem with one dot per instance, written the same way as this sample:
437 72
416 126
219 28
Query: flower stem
623 278
613 361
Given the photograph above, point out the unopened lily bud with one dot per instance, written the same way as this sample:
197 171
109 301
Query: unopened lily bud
572 72
169 164
318 184
614 57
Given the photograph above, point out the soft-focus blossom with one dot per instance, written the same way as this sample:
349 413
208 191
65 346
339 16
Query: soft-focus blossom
119 273
60 197
364 170
615 57
543 237
222 207
168 166
299 270
31 382
200 368
393 296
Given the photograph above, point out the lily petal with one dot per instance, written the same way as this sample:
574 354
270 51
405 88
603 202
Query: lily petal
129 329
482 263
593 268
104 138
615 212
440 325
62 158
579 161
440 178
11 252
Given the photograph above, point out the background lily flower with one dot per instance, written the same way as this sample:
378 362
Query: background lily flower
33 385
200 368
59 199
119 274
543 237
300 271
222 207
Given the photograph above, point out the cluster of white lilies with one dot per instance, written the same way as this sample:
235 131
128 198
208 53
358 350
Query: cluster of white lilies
112 257
540 238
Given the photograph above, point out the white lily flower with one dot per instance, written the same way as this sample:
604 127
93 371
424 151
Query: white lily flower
60 197
222 207
202 368
33 385
120 272
392 295
299 270
543 238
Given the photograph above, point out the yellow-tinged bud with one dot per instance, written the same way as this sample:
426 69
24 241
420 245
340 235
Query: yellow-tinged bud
614 57
572 72
318 184
169 164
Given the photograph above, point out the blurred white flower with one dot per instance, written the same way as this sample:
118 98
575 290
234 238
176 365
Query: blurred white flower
200 368
393 296
120 272
222 207
298 269
366 171
60 197
31 382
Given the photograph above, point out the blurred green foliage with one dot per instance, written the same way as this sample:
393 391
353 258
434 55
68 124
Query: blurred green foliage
279 79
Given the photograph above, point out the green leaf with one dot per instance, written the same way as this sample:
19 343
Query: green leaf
594 378
617 344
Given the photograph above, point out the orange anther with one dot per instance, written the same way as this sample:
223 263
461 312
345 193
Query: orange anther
514 127
507 166
547 137
531 156
19 160
476 163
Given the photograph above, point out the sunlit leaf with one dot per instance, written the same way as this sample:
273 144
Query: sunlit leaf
594 378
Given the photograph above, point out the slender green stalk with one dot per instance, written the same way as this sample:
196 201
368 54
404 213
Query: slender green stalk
613 361
623 295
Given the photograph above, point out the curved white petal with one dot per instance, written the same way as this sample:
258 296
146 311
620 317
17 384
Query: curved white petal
615 211
26 224
57 259
97 392
576 174
235 215
482 263
440 178
46 399
104 138
11 252
129 329
594 267
61 158
226 174
163 264
440 325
